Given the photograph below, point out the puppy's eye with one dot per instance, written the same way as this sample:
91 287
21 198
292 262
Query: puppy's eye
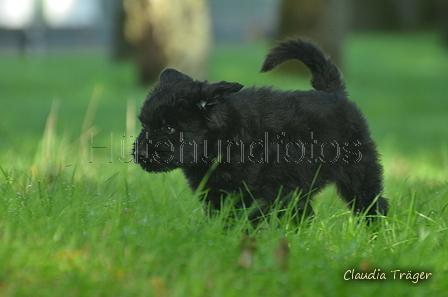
167 129
144 126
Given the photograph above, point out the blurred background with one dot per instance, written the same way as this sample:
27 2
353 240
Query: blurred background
157 33
78 70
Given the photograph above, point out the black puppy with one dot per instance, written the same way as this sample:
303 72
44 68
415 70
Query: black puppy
260 143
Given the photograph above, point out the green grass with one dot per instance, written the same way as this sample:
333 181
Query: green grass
73 228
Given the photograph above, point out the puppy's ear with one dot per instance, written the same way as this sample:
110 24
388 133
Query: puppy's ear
225 87
170 75
216 90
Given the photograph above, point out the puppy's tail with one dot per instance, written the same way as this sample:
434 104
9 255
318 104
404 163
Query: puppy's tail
326 76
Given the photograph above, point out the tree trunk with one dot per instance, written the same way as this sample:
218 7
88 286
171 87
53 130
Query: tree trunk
323 21
121 48
168 33
372 15
443 15
408 14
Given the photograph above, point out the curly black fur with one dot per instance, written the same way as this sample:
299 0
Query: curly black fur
266 143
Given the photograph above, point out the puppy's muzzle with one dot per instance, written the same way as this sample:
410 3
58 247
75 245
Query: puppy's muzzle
148 150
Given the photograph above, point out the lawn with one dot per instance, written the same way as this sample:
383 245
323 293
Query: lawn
77 218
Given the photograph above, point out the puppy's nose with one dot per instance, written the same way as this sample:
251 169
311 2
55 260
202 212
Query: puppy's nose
139 150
